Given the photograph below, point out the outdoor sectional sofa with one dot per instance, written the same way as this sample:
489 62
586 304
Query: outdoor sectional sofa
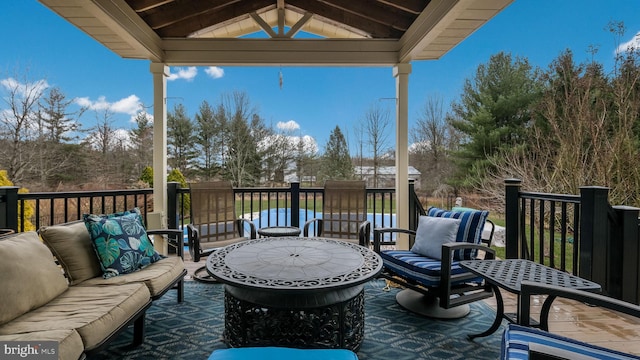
56 292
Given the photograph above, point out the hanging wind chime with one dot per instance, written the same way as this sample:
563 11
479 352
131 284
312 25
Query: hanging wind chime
280 77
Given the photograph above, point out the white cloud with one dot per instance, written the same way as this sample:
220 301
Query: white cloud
33 89
100 104
184 73
214 72
129 105
633 44
289 125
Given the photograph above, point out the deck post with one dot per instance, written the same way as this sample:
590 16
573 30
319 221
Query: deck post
413 212
624 253
172 205
512 218
295 204
9 207
594 235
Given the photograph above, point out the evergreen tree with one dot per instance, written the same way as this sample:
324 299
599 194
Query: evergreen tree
58 124
336 161
57 127
208 138
142 141
180 141
493 113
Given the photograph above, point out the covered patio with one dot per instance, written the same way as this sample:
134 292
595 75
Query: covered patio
380 33
354 33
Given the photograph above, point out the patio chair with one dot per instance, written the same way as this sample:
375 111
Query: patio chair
344 213
520 341
214 223
435 285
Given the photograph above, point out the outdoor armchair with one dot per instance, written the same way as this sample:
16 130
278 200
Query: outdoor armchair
344 213
523 342
435 285
214 223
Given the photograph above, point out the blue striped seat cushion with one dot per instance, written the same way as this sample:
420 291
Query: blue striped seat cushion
517 340
470 230
422 269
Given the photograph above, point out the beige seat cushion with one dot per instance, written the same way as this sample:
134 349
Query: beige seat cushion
95 312
71 244
157 276
29 276
70 345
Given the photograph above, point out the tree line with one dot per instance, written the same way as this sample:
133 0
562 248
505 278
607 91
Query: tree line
44 146
557 128
560 128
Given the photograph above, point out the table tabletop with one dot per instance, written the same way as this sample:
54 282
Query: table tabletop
510 273
300 263
279 231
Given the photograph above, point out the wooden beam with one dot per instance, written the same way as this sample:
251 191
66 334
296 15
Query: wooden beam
350 19
173 12
144 5
126 24
276 52
298 25
280 7
380 13
412 6
211 17
263 24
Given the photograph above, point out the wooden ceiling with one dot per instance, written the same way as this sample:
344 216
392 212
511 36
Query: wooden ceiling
384 19
283 32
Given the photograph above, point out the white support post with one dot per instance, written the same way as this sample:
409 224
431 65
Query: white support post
158 218
401 73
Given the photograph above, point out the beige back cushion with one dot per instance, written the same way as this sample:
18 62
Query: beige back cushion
71 244
29 276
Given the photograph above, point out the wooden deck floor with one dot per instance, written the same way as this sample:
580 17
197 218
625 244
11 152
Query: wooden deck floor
568 318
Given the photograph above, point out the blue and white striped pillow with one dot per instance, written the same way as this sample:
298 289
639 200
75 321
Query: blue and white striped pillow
470 230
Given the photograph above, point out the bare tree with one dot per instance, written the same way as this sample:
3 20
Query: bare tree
376 128
103 141
18 130
243 129
432 142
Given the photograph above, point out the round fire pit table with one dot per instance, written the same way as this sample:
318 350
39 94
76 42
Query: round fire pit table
294 292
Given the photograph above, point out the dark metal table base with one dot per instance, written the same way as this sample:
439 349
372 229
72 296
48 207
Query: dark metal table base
499 315
508 274
334 325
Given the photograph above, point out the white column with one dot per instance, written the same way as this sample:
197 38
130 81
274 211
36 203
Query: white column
401 73
158 219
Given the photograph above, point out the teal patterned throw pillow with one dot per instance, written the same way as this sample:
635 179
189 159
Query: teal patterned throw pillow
121 242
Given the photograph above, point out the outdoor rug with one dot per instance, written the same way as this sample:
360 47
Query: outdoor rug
193 329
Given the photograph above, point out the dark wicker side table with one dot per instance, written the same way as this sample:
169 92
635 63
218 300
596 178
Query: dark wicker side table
508 275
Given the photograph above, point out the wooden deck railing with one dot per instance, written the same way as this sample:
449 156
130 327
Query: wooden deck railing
265 205
582 234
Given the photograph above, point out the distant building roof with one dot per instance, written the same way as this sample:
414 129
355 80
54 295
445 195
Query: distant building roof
384 170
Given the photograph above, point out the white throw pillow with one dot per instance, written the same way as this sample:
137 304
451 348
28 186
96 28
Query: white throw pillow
432 232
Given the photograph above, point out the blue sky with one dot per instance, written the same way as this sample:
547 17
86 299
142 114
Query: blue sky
39 45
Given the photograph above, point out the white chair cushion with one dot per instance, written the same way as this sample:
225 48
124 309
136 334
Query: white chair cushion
432 232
